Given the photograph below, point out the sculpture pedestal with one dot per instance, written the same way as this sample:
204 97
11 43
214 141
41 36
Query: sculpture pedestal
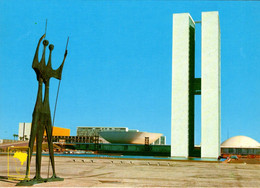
37 181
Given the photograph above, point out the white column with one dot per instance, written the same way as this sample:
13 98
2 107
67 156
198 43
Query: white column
180 85
210 85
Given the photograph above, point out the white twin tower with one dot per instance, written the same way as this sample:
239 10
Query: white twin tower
185 86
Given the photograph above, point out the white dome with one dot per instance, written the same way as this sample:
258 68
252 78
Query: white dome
240 142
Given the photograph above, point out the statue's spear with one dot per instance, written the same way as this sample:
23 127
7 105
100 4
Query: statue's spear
59 87
57 92
45 28
56 102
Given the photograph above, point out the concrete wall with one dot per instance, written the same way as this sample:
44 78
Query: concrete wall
210 83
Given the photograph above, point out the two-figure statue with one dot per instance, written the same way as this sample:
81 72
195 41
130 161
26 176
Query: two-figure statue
41 118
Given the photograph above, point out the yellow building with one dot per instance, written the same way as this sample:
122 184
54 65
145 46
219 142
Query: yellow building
58 131
25 131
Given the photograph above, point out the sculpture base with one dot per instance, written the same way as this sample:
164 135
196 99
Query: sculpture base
37 181
55 179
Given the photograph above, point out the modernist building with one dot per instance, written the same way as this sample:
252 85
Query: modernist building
240 145
24 131
185 86
130 137
75 139
121 135
94 131
160 141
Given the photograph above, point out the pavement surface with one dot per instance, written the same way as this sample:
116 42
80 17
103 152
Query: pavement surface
103 172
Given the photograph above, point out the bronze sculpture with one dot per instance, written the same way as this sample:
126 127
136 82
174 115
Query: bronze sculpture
41 118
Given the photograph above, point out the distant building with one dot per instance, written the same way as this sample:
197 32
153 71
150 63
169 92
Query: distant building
240 145
94 131
92 135
160 141
130 137
120 135
75 139
25 131
4 141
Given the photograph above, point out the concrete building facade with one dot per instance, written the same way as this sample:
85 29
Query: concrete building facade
182 74
94 131
185 86
210 85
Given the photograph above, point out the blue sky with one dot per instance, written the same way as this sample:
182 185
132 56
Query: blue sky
118 68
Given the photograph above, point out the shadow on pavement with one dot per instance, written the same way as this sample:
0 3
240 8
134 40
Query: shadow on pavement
5 179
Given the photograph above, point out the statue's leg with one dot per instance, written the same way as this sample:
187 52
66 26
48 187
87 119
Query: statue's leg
31 144
50 144
39 138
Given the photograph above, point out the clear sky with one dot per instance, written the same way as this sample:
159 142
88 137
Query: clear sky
118 69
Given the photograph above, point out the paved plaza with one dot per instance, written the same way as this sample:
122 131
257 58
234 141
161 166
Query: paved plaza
103 172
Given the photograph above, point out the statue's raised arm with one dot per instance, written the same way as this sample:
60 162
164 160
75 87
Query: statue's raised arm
58 72
35 59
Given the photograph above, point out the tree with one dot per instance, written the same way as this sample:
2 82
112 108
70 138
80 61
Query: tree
15 135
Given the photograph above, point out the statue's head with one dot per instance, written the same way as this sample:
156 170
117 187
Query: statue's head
45 43
51 47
